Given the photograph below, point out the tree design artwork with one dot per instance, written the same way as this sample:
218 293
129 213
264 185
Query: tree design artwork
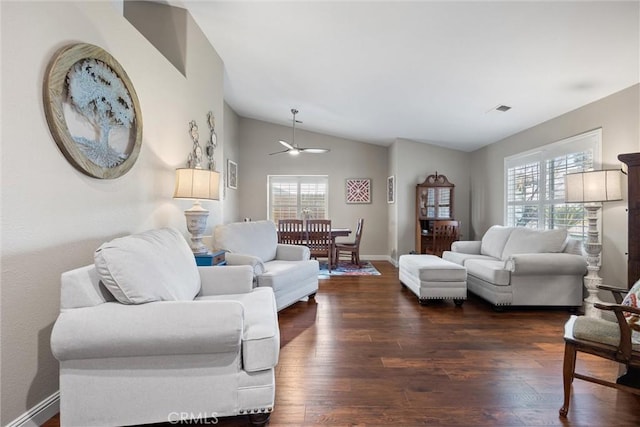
96 92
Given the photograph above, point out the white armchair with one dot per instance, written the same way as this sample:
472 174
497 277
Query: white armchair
286 269
192 350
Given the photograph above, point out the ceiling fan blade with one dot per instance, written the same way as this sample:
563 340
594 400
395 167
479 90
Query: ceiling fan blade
314 150
279 152
286 144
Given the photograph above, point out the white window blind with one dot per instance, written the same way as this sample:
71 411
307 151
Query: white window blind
534 184
290 195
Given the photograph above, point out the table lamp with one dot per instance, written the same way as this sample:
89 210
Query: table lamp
592 188
196 183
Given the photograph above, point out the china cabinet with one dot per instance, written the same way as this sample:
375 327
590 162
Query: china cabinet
434 202
632 160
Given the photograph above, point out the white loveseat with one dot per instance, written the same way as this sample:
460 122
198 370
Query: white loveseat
523 267
146 336
287 269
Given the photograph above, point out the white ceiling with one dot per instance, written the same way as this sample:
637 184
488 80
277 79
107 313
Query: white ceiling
423 70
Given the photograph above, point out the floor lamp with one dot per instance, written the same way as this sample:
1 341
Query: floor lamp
592 188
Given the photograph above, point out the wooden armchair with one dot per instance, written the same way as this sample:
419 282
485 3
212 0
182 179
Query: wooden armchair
603 338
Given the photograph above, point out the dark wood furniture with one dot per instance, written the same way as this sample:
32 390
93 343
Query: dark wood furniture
622 353
632 160
352 248
441 236
434 202
319 240
291 231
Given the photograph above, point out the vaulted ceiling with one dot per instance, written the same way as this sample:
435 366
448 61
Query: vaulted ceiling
428 71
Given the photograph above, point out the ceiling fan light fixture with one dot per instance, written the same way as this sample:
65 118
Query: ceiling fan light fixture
293 148
316 150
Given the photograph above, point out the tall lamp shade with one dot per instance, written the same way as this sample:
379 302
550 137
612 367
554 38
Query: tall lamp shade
592 188
197 184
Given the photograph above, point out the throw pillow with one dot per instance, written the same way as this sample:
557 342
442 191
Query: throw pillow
494 240
156 265
632 299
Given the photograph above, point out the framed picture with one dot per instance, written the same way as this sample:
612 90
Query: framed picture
92 111
391 193
358 190
232 174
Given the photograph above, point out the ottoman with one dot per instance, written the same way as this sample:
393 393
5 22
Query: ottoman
431 277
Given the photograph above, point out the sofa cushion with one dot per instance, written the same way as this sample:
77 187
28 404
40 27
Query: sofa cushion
524 240
156 265
281 274
632 299
494 240
493 272
461 258
257 238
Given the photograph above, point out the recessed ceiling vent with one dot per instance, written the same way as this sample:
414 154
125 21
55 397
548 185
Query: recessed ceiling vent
503 108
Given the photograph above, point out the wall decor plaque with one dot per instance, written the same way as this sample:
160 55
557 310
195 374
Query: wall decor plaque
232 174
92 111
358 190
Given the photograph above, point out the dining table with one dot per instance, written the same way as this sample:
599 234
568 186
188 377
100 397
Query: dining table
338 232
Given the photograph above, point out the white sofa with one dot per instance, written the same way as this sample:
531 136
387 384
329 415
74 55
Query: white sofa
146 336
287 269
523 267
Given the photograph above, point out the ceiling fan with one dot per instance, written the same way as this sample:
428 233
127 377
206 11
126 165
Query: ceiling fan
293 148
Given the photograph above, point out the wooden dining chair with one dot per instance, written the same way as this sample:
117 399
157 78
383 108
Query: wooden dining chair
609 339
444 233
319 240
291 231
352 248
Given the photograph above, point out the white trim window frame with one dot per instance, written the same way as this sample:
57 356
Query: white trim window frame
534 183
297 196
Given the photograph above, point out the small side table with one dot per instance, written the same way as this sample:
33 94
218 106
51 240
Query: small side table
211 258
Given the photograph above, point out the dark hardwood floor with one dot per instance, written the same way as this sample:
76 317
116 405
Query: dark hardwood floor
366 353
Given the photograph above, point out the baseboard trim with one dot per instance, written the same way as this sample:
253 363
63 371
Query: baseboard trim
39 414
379 258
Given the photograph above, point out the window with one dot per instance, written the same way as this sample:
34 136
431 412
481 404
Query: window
290 196
534 181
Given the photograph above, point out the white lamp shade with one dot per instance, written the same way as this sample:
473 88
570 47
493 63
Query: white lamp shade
197 184
593 186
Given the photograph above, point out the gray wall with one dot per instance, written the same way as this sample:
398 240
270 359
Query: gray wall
231 151
54 217
413 162
347 159
619 116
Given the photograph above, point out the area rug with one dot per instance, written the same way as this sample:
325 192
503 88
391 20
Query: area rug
345 268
